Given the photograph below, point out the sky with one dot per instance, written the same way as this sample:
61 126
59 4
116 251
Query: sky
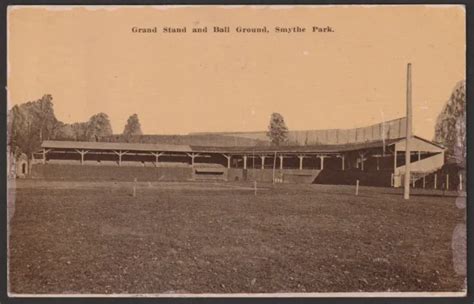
90 61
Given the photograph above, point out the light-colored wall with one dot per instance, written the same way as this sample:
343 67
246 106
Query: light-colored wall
418 145
426 165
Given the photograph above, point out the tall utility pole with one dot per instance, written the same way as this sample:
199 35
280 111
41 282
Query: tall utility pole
383 133
274 165
406 192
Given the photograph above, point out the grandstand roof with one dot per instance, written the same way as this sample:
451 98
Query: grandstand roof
322 148
114 146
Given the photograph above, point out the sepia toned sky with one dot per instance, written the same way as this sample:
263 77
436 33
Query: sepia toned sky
90 61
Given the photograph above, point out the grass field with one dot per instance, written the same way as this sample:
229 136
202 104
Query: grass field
84 237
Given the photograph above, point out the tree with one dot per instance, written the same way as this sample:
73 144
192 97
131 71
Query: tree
132 127
46 119
79 130
97 126
450 129
65 132
31 123
92 130
277 130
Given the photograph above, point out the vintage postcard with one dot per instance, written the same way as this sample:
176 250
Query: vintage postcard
194 151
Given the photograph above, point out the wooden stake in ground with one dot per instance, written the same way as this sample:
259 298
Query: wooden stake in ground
255 186
406 192
447 181
135 187
435 180
357 187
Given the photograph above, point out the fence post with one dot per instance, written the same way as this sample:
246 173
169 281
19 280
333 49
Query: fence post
255 186
357 187
460 182
435 180
447 181
135 187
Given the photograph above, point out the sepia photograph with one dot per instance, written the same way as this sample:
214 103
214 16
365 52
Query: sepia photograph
250 150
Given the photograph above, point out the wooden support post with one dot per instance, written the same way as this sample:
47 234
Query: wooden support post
460 182
424 181
193 155
228 160
435 180
45 151
281 162
321 161
120 153
263 161
82 153
447 181
419 155
157 155
245 161
301 157
343 162
357 187
362 160
394 161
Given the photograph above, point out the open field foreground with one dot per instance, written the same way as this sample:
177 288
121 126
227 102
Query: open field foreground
84 237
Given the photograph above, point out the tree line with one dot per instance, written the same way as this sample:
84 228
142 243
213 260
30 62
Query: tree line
32 122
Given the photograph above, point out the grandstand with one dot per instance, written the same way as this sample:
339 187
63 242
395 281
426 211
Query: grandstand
376 158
